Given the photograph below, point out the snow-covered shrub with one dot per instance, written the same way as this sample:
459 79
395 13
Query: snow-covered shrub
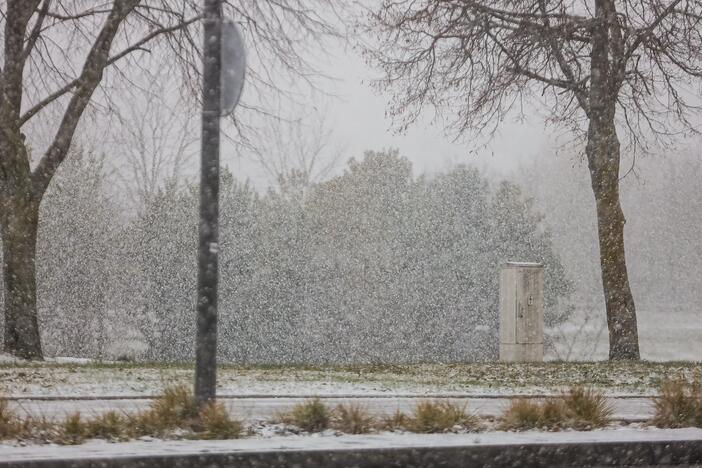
374 265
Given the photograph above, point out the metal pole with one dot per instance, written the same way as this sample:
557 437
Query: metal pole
206 342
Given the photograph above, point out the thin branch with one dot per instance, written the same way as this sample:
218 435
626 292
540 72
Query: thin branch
73 84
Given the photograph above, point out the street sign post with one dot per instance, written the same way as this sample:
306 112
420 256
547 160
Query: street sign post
222 80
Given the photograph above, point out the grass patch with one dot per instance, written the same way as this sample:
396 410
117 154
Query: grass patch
440 416
352 419
173 411
14 427
396 421
175 407
587 408
8 421
524 414
10 425
580 408
72 430
110 425
432 417
679 403
214 422
311 416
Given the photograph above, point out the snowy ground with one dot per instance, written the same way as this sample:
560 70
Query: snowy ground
664 335
56 389
255 394
90 380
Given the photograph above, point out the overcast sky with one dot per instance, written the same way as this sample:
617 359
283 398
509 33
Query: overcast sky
357 115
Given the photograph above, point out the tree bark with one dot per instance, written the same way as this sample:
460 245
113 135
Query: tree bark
603 161
18 226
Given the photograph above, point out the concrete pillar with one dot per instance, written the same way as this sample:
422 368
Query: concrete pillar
521 312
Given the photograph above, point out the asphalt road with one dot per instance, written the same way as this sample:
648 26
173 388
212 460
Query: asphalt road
266 408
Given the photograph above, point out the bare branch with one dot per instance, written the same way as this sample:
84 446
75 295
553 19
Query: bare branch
645 32
463 59
36 30
95 63
139 45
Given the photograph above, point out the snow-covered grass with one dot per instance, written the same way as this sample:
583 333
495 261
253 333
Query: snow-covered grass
122 379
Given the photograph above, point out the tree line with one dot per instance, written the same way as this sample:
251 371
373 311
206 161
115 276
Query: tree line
373 265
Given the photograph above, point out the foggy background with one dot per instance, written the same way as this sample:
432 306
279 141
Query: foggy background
117 255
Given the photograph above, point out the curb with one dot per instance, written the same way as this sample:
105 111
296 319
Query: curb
532 454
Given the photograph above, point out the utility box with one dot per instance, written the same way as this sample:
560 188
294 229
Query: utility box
521 312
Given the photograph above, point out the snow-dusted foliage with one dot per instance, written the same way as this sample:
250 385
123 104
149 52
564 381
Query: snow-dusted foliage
374 265
76 255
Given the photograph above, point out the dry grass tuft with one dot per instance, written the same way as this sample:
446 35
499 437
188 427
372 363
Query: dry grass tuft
587 408
352 419
523 414
110 425
214 422
40 429
432 417
580 408
310 416
440 416
553 411
9 423
396 421
72 430
679 403
176 408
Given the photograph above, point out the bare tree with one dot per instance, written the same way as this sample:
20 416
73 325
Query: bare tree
299 153
598 67
57 53
157 140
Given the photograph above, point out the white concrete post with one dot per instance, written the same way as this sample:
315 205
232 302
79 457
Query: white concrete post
522 312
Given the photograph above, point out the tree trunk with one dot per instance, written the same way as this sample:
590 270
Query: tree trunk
19 234
603 162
